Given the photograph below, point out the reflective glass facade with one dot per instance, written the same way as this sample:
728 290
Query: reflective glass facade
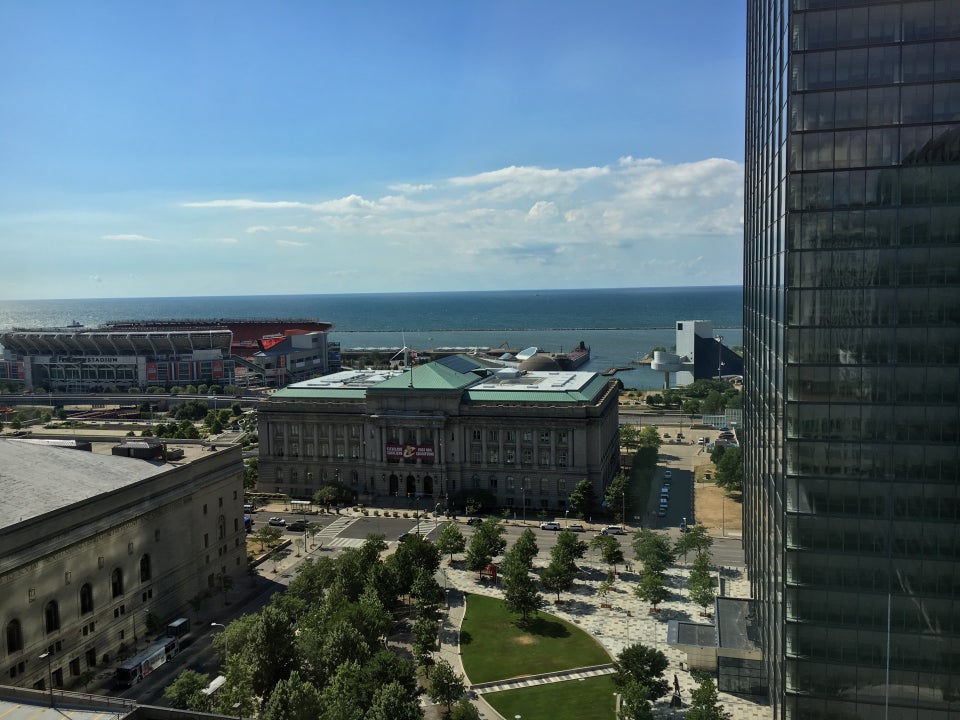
852 369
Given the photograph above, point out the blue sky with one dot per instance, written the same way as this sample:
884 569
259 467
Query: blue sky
219 148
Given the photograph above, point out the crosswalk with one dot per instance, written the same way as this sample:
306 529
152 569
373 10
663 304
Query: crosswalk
561 676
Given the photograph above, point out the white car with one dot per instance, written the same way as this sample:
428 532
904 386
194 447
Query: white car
549 526
667 474
278 522
613 530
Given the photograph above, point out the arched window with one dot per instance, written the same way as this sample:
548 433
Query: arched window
51 616
14 636
86 598
222 527
116 582
145 568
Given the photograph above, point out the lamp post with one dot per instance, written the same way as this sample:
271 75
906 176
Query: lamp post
46 656
225 653
523 501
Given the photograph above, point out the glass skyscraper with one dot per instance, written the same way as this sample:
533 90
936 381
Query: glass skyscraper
852 354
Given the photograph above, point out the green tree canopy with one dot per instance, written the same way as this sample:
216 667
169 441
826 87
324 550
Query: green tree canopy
610 551
616 495
714 403
705 701
559 574
393 702
652 587
446 686
730 470
629 436
184 692
653 549
486 543
635 702
525 547
293 699
519 588
583 498
643 665
695 538
451 540
572 544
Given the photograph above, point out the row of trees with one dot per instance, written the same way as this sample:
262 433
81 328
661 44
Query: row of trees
729 464
318 650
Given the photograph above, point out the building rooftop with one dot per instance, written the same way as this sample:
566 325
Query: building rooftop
38 478
479 381
736 625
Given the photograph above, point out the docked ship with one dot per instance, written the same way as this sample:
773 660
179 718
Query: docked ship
580 355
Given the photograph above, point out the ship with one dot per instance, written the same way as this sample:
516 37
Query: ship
580 355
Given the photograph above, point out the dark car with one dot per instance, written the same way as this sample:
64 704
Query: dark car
297 526
474 521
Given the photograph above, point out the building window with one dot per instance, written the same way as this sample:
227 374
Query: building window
51 617
527 457
562 458
561 437
544 457
544 486
14 636
145 573
510 436
475 456
527 436
510 456
544 437
493 456
204 508
116 582
477 437
476 481
561 487
510 484
86 598
493 436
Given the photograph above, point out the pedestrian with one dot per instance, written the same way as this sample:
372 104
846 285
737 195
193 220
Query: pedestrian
676 684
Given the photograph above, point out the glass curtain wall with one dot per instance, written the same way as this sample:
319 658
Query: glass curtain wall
852 340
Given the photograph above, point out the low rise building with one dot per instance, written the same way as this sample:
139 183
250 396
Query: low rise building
97 547
441 432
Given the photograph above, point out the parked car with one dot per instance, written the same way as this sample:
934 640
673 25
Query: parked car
613 530
683 525
278 522
549 526
666 435
662 512
297 526
474 521
576 527
249 508
701 441
404 536
665 490
667 474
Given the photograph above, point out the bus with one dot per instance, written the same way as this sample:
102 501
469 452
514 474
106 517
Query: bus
143 663
179 630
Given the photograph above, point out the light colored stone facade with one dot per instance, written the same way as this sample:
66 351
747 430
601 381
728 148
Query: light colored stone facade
100 543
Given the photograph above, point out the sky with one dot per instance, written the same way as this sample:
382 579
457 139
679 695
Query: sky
185 148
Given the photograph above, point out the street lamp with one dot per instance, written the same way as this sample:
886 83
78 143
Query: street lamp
719 340
225 655
523 501
46 656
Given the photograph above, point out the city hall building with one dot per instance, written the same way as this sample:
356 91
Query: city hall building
442 431
93 543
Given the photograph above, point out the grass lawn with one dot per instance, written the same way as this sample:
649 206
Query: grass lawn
494 648
590 699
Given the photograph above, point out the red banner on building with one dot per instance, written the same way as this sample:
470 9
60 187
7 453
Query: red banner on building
409 452
151 371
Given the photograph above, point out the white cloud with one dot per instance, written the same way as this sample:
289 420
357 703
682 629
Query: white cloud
409 189
246 204
257 229
290 243
542 210
129 238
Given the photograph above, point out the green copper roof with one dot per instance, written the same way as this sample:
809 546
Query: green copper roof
300 393
434 376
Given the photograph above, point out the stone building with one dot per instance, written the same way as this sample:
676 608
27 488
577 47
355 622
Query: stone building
441 431
95 544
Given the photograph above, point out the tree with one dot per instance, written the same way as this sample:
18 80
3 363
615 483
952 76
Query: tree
582 498
705 701
464 710
293 698
635 702
451 540
701 582
644 665
653 549
393 702
616 495
691 407
519 589
695 538
610 551
629 437
730 470
713 403
559 574
425 631
651 588
650 438
184 692
325 497
717 453
446 686
525 547
486 543
671 397
267 535
571 544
